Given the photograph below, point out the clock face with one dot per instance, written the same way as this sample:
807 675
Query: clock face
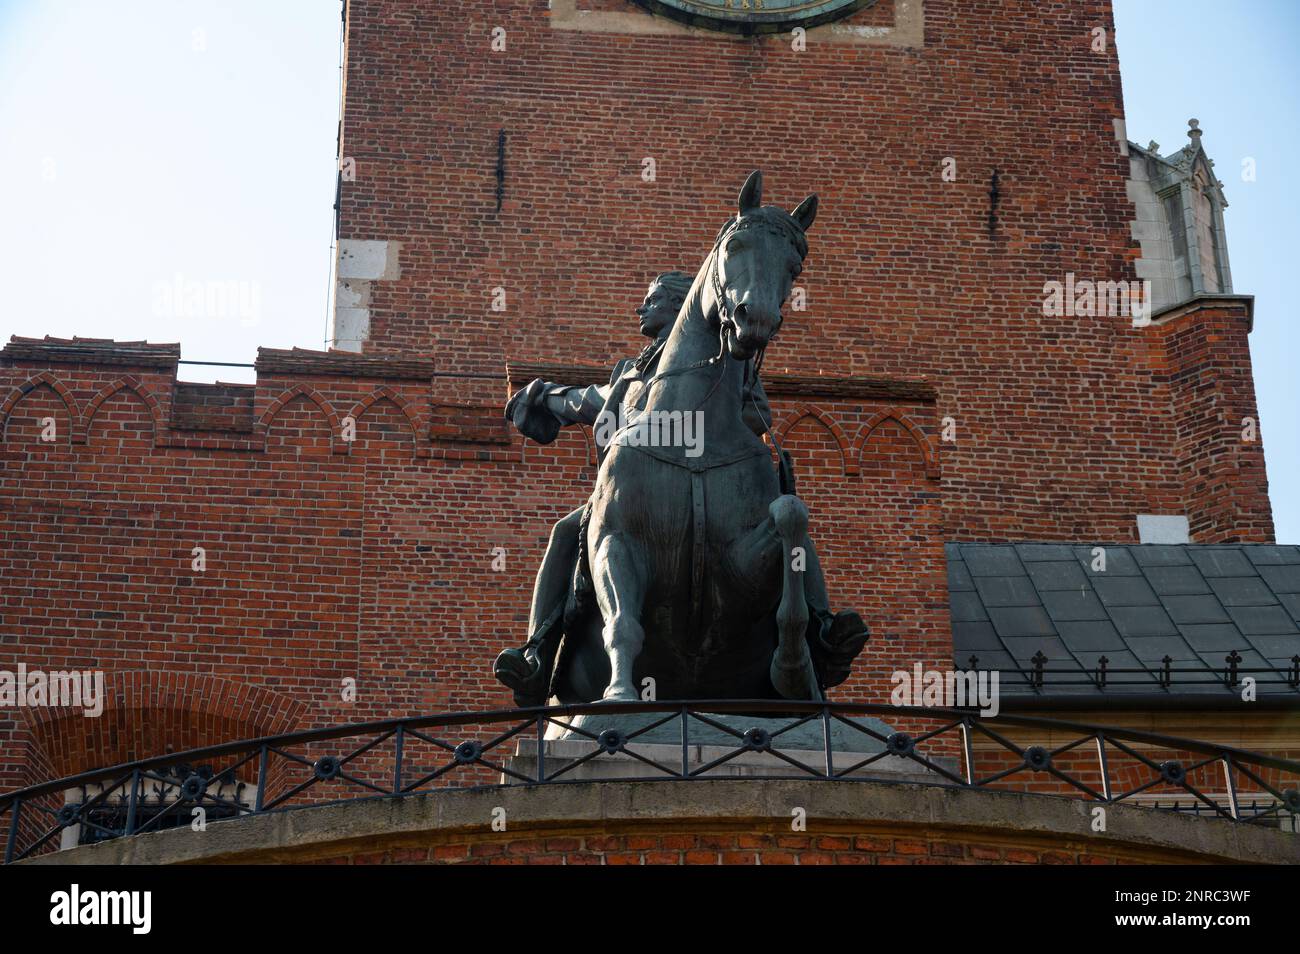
754 16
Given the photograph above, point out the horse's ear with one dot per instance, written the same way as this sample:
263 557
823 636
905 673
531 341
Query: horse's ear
805 212
751 196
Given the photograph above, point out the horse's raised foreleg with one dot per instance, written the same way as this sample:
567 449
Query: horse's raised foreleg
619 576
792 670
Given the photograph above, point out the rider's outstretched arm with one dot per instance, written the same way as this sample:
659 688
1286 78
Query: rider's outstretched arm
540 409
576 405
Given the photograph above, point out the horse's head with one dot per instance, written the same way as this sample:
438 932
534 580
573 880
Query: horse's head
760 253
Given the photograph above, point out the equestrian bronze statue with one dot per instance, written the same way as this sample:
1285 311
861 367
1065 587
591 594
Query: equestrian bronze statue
690 568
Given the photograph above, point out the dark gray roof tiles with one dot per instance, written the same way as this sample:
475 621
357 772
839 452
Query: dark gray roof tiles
1191 604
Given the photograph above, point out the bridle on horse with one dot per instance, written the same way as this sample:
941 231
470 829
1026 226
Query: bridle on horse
754 365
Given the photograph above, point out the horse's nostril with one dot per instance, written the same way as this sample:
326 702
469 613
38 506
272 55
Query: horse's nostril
741 311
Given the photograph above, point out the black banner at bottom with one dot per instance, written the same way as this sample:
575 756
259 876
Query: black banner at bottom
510 903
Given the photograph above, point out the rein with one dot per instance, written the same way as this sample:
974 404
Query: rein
730 228
723 324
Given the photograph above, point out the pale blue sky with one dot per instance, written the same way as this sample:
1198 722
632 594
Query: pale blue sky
151 144
150 139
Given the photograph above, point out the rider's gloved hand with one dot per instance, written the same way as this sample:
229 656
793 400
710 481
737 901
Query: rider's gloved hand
527 411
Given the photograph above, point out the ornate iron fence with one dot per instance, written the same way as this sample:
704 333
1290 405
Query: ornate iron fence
402 757
1230 676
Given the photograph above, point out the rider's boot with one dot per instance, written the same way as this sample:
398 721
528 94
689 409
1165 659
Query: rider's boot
527 671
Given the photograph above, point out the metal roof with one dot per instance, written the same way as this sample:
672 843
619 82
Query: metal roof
1182 621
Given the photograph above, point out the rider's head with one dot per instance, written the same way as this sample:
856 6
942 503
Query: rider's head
662 302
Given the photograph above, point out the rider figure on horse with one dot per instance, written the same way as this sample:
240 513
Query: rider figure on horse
539 411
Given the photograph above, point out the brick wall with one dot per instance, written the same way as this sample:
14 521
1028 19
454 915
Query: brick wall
695 848
742 842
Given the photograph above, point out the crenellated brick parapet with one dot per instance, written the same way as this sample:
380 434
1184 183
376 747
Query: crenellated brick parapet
446 414
85 374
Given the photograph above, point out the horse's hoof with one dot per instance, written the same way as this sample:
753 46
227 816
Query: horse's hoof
847 628
613 694
844 639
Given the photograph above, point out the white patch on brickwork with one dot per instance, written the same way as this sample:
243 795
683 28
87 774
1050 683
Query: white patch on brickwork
351 328
352 293
369 259
1163 528
360 263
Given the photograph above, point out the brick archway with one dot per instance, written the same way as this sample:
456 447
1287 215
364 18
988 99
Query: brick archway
337 445
151 713
403 405
47 379
923 443
801 412
125 383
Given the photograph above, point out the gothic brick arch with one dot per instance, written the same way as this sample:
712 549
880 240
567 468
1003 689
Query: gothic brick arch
311 394
31 384
128 382
848 461
403 405
923 443
149 713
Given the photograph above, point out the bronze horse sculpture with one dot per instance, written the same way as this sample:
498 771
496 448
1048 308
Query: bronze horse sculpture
692 563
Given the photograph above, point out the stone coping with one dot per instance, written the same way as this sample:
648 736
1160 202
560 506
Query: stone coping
730 804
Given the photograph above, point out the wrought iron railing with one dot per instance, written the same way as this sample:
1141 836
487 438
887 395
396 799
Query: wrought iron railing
1040 675
402 757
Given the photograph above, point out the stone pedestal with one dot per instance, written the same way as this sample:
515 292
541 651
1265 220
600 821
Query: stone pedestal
706 745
